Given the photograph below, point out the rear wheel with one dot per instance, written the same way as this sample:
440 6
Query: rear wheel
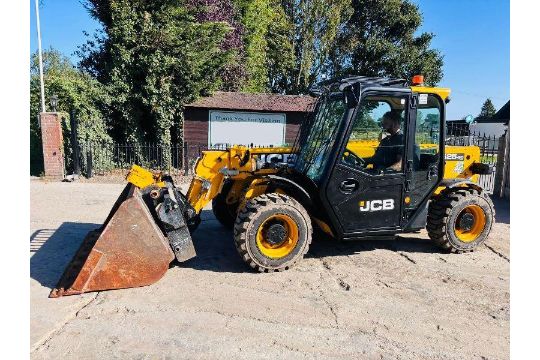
224 213
272 232
460 219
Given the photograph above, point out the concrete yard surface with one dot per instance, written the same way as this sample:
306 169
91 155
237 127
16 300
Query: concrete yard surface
401 299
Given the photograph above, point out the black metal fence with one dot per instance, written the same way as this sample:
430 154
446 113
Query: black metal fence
100 158
461 135
488 144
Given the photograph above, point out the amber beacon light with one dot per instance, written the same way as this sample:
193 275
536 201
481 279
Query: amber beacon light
418 80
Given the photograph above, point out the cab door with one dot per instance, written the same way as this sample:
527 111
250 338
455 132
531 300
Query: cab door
425 146
364 199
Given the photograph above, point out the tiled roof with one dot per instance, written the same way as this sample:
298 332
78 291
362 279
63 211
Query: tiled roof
255 102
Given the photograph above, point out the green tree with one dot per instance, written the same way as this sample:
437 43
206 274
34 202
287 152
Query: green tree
267 43
256 18
233 75
380 39
331 38
315 27
487 111
154 57
76 91
280 52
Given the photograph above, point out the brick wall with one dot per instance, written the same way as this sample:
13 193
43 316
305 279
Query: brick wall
53 145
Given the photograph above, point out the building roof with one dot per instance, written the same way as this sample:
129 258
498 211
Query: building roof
255 102
501 116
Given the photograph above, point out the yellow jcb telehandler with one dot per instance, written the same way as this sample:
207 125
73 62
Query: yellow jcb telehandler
343 175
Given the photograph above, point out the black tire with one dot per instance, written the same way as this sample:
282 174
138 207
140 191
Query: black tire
446 211
224 213
255 215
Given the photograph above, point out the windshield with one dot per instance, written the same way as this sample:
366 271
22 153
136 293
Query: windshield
319 136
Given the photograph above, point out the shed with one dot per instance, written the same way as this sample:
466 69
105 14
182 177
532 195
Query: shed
245 118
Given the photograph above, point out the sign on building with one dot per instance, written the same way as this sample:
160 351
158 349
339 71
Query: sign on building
244 128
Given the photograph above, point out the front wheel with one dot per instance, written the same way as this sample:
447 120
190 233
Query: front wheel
460 219
272 232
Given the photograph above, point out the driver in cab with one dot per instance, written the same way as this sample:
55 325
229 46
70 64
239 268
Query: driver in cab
389 153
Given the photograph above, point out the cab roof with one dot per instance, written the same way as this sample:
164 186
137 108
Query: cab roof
364 81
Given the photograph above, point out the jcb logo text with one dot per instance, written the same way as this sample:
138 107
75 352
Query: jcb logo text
377 205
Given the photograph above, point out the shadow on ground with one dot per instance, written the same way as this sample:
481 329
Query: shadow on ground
52 250
215 247
502 209
216 251
323 246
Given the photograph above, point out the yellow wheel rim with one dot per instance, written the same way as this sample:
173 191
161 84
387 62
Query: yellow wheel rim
470 223
268 245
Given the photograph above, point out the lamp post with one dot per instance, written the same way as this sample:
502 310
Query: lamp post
54 102
40 58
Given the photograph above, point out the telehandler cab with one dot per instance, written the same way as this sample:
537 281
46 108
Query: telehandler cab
343 175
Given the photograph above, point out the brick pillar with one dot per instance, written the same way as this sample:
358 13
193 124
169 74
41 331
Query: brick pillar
53 145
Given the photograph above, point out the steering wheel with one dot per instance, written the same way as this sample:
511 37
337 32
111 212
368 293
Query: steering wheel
351 158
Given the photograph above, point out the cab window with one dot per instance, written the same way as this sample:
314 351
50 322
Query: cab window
428 125
426 148
377 140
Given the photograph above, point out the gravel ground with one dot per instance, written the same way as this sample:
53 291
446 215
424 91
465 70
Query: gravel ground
398 299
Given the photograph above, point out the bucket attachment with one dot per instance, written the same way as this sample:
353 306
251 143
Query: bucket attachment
129 250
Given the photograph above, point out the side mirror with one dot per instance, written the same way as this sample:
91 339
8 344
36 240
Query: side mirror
351 96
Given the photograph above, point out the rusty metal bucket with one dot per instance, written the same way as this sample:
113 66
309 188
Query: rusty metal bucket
129 250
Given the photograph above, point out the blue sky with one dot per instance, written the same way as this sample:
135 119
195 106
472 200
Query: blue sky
62 25
473 36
